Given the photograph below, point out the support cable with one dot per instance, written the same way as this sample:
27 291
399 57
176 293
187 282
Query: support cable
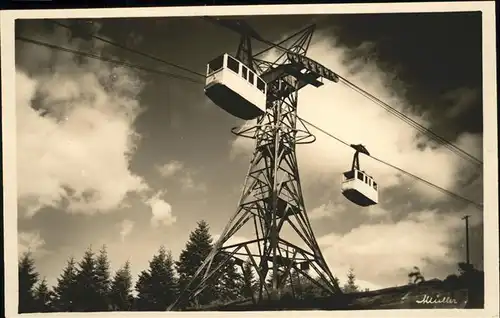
181 77
123 47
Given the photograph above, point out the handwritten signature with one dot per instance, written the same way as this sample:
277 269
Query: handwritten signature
436 300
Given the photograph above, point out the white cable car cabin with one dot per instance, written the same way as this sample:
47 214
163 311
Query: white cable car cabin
357 186
232 86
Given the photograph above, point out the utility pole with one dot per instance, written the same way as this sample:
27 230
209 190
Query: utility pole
466 218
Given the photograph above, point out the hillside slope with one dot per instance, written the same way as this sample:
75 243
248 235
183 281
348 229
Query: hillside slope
430 294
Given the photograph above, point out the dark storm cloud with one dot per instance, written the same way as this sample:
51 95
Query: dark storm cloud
435 55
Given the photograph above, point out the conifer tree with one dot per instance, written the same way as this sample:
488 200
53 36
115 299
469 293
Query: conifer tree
157 286
415 276
103 280
231 283
336 280
121 289
87 297
144 300
284 287
65 290
296 283
249 281
28 277
350 286
303 287
42 296
472 279
197 249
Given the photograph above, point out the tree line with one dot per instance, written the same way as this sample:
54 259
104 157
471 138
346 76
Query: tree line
89 285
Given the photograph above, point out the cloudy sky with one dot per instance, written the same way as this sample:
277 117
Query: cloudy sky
110 155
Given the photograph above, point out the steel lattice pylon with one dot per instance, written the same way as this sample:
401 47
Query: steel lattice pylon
272 194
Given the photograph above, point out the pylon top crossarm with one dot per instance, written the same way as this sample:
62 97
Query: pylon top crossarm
302 136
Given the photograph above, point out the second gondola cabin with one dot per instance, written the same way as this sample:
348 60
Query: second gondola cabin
232 86
359 188
356 185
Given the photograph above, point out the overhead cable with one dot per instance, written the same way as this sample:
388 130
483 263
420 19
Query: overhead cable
106 59
123 47
180 77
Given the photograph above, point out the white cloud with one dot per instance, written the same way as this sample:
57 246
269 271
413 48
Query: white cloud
162 212
170 168
241 145
461 99
188 183
77 148
355 119
184 175
375 211
363 284
126 227
329 210
380 252
30 242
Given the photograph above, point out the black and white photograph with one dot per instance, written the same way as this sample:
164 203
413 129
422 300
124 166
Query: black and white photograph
251 158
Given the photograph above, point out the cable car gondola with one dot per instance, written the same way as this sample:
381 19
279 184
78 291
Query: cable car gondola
357 186
232 86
